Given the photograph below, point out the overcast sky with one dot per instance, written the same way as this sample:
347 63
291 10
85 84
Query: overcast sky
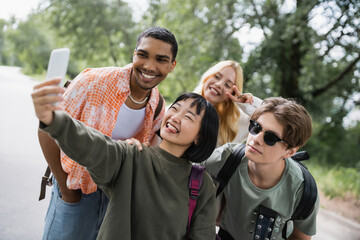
21 8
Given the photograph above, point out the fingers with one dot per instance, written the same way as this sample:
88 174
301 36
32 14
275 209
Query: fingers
241 98
232 97
47 92
132 141
50 82
44 96
249 98
48 87
236 90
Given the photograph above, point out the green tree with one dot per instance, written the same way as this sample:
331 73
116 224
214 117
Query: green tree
319 69
99 32
27 45
296 58
2 39
205 33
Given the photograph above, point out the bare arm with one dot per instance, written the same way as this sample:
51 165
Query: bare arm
52 155
49 148
298 235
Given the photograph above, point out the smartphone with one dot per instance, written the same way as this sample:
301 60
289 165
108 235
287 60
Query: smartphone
58 63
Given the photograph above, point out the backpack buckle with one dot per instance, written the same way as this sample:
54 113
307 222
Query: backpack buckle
194 194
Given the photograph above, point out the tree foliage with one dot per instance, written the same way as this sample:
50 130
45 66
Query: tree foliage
26 45
205 33
307 50
98 31
297 58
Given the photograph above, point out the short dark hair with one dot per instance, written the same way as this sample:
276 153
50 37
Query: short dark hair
161 34
209 128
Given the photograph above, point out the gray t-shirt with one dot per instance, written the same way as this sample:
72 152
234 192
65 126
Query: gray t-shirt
243 198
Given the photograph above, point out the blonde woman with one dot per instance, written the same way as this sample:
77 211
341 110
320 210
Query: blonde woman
222 86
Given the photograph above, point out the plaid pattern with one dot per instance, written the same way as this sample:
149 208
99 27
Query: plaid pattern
95 97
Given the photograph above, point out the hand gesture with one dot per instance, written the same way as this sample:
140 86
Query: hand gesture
240 98
44 96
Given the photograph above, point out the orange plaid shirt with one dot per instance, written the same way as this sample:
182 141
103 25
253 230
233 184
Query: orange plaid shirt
95 97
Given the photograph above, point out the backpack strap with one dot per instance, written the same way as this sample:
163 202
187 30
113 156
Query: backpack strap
195 181
301 156
159 106
309 196
231 164
46 180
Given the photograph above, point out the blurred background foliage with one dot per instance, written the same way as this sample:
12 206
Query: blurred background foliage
307 50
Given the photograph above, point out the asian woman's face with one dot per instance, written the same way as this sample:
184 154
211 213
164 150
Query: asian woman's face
180 126
216 87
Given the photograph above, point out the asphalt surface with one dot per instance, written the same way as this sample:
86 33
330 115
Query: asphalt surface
21 161
22 165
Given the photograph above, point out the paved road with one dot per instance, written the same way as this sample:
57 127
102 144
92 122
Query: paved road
22 165
21 160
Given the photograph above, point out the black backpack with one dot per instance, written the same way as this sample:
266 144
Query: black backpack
308 198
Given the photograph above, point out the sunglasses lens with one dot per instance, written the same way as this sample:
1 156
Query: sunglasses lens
254 127
270 138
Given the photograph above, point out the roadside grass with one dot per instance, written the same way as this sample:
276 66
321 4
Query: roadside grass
42 76
336 181
38 77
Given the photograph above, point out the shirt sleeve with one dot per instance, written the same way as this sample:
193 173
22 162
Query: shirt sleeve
75 96
217 159
101 155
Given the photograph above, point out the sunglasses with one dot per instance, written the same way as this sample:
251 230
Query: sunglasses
270 138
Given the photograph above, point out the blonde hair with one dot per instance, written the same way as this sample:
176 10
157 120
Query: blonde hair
228 112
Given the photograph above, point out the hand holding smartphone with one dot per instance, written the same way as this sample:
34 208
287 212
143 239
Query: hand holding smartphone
58 63
57 66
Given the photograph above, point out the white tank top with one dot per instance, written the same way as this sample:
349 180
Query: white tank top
129 122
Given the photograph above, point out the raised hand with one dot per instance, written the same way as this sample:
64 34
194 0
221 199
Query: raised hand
44 96
240 98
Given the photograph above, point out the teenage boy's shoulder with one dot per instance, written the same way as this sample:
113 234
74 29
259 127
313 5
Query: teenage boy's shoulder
218 158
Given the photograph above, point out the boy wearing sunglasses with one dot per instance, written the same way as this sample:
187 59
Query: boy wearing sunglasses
266 188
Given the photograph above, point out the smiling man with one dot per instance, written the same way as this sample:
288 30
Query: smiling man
267 186
121 103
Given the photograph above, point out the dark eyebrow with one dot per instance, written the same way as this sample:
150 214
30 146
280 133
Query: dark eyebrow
188 110
229 81
192 113
162 56
143 51
267 130
157 55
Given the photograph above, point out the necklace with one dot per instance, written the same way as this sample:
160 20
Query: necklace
137 102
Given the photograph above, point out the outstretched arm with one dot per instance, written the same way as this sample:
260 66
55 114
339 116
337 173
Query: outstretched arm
90 148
